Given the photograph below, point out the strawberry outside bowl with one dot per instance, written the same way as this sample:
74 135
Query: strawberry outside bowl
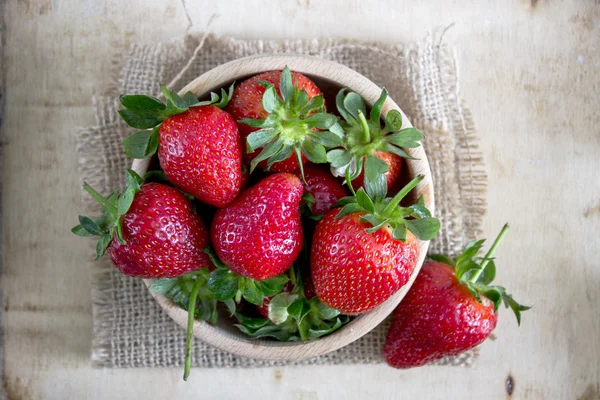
330 77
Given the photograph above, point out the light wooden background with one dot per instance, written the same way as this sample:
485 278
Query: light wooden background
529 70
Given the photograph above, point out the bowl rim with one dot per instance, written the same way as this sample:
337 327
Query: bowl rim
236 342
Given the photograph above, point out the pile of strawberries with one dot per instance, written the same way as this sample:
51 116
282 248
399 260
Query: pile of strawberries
290 216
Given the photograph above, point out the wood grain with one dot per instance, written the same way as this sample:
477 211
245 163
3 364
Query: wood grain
529 73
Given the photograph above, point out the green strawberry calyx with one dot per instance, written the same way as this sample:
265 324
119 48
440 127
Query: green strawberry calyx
108 226
190 292
380 211
148 113
226 285
477 273
293 317
363 137
295 125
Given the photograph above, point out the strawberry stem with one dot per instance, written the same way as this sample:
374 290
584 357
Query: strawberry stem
366 133
190 327
489 254
401 194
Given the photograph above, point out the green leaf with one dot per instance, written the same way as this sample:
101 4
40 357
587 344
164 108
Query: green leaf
140 121
315 103
397 151
349 209
376 189
102 245
91 226
376 110
337 130
465 269
399 232
301 102
255 123
393 121
258 139
419 211
488 274
286 86
326 312
223 283
326 138
320 120
409 137
270 100
314 152
374 167
156 175
269 150
353 103
363 199
163 285
250 291
278 307
516 307
283 154
141 103
375 221
231 307
272 286
424 228
339 102
189 99
125 201
339 158
79 230
133 179
443 259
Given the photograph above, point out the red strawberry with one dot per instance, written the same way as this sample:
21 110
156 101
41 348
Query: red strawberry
259 235
201 153
448 310
199 146
281 112
324 188
149 232
368 147
365 252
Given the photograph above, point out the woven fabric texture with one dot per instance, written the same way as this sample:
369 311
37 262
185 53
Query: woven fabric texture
130 329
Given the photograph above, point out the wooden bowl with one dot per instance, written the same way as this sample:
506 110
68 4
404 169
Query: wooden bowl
330 77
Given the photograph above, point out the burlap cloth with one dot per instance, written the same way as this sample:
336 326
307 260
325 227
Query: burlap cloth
130 329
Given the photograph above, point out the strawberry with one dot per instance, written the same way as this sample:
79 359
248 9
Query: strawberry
365 252
259 235
281 113
323 187
149 231
449 309
368 148
198 143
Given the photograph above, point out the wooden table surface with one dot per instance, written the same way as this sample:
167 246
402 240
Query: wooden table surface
529 70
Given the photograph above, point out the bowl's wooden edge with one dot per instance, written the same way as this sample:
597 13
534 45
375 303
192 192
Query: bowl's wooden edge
272 350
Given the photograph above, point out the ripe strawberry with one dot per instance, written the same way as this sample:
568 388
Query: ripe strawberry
259 235
281 112
324 188
149 232
449 309
368 146
199 146
365 252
